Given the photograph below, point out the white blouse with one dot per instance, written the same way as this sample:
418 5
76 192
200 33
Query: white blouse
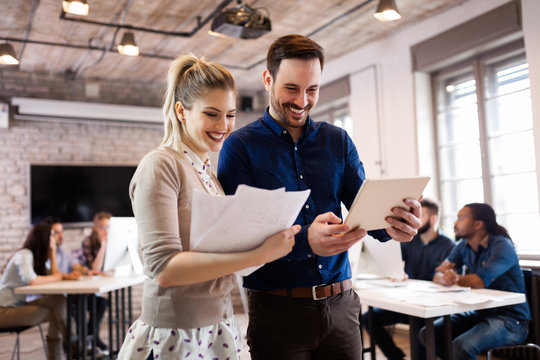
19 272
203 170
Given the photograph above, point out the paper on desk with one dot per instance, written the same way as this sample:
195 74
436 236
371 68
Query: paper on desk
387 283
415 295
428 301
437 288
440 299
242 221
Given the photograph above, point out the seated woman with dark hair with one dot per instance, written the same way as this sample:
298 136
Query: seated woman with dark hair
28 267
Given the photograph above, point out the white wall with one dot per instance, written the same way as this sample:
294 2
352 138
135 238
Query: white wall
367 137
531 31
395 84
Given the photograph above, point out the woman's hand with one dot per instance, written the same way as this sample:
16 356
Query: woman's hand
103 242
74 275
278 245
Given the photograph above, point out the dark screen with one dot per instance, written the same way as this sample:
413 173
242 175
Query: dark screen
75 193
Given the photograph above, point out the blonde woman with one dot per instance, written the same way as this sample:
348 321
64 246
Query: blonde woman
186 306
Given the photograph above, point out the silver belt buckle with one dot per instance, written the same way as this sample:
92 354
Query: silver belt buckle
314 292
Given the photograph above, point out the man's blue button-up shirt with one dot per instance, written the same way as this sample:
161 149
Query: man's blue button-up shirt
498 267
324 159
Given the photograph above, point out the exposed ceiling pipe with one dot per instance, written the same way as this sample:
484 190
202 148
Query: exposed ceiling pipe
84 47
80 70
200 23
28 27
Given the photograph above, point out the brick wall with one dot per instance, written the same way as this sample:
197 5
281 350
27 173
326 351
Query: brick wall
27 142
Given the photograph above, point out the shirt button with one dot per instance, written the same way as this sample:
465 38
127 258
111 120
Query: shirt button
320 266
301 176
295 148
284 131
308 255
307 206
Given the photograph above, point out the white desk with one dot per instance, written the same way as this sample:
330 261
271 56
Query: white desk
392 299
79 292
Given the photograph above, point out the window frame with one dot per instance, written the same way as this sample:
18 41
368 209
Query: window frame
477 63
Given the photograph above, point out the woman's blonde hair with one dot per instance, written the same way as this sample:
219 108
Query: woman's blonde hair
189 79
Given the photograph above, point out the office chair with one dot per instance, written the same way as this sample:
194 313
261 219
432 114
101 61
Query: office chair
18 330
527 350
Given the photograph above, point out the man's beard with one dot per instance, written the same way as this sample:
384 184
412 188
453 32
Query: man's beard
423 229
281 111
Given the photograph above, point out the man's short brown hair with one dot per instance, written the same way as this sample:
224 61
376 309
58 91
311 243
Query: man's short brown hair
431 205
292 47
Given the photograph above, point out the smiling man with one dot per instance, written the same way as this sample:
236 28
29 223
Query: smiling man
302 306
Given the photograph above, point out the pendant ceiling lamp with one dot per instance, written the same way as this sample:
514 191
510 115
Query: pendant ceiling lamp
387 11
76 7
7 55
128 46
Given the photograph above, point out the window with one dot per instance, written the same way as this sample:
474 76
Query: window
485 142
337 113
344 121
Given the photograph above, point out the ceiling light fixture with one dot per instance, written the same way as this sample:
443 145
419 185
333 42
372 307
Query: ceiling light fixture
242 22
76 7
7 55
128 46
387 11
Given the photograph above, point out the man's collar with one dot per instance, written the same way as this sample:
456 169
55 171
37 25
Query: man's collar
483 243
278 129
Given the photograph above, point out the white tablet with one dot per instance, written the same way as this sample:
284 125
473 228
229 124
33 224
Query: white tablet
377 197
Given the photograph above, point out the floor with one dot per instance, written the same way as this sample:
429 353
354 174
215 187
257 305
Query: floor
31 348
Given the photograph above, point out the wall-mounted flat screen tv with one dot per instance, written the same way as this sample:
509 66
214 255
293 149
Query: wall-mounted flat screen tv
75 193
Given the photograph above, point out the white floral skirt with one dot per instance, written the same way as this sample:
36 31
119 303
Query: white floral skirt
220 341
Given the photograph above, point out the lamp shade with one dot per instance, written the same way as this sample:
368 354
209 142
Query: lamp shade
7 55
77 7
128 46
387 11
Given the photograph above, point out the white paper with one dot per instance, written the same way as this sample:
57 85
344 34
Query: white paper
415 293
441 299
427 301
242 221
387 283
387 256
438 288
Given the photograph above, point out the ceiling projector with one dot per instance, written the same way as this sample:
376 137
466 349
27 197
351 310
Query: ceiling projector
242 22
